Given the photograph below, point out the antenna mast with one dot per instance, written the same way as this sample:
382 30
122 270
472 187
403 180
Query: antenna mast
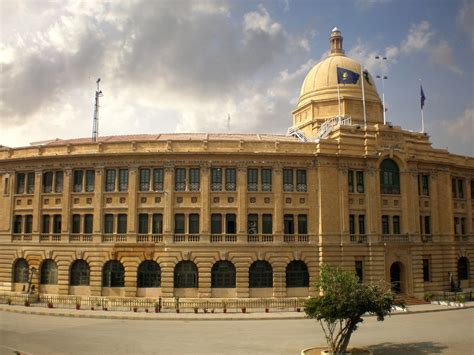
95 127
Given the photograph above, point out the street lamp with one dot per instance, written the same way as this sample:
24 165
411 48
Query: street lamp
30 273
383 78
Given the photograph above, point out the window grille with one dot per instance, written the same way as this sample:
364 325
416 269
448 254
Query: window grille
194 177
216 179
57 224
223 275
20 183
110 180
301 184
158 179
123 179
20 271
88 223
80 273
389 177
360 181
28 224
260 274
47 182
252 224
46 223
90 180
252 179
149 274
230 179
350 180
385 225
58 182
30 187
17 224
396 224
113 274
289 224
144 179
352 230
297 274
287 180
77 184
180 179
49 272
423 185
266 179
185 275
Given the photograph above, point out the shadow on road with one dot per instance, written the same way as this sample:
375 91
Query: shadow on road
408 348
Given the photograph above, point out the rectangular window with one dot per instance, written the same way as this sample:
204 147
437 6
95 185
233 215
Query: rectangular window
362 224
143 223
180 179
88 223
28 224
90 180
426 270
122 224
302 224
359 270
289 224
193 227
157 227
194 179
109 224
266 179
20 183
460 188
385 225
427 222
216 179
267 224
350 180
352 228
301 184
110 180
252 224
360 181
123 180
456 226
453 187
30 185
472 189
158 179
230 179
425 185
57 224
216 223
48 182
287 180
179 223
58 181
230 222
463 226
17 223
77 180
76 223
252 179
46 224
144 180
396 224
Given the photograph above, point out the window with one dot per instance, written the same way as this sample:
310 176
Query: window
6 186
287 180
463 226
427 225
30 184
20 271
301 185
158 179
350 180
179 223
144 180
28 224
252 179
426 270
289 224
47 182
48 272
297 274
193 227
143 223
362 224
252 224
157 224
472 189
260 274
113 274
17 224
223 275
352 230
423 185
109 224
216 223
360 181
302 224
123 180
385 225
180 179
359 270
396 224
58 181
457 226
90 180
80 273
266 179
389 177
45 225
194 177
230 222
20 183
76 224
122 224
230 179
110 180
57 224
88 223
463 268
77 180
216 179
267 224
149 274
185 275
458 187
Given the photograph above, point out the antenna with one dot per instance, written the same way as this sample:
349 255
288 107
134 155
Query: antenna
95 127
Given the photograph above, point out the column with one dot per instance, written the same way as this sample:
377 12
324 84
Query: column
37 206
168 197
132 203
205 202
242 202
66 203
278 209
98 203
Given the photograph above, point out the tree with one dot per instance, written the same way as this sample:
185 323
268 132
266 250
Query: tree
342 301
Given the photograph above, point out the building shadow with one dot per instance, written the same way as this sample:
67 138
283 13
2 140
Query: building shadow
407 348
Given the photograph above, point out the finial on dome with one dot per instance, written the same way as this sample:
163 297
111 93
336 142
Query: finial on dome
335 41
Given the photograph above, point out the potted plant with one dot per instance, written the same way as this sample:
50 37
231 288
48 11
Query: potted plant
243 309
224 307
27 303
135 309
146 310
298 309
78 305
104 308
341 303
157 307
92 308
50 304
267 310
195 309
205 310
212 310
176 304
9 300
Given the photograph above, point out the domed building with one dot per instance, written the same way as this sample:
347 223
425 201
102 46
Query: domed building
248 216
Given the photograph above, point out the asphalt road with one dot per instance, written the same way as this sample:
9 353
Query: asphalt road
449 332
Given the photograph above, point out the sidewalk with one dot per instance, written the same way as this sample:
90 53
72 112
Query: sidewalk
171 315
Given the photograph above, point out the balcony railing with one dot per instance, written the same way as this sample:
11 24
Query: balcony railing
358 238
461 238
260 238
296 238
150 238
21 237
220 238
396 238
186 238
112 238
80 237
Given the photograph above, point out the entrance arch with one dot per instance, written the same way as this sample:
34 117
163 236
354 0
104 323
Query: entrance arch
396 277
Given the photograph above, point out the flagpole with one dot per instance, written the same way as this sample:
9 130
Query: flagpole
422 118
363 96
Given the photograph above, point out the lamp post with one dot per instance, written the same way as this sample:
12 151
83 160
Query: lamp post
30 273
383 78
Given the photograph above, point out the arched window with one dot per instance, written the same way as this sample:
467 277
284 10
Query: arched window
113 274
149 274
185 275
463 268
389 177
260 274
80 272
20 270
49 272
297 274
223 275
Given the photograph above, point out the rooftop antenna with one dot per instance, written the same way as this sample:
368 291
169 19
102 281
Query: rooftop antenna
95 128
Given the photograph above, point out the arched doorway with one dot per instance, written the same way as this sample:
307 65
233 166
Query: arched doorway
396 277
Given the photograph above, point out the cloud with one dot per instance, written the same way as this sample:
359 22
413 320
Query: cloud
442 54
465 19
418 37
370 3
459 132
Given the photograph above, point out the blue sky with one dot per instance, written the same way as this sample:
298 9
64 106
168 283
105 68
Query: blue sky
183 66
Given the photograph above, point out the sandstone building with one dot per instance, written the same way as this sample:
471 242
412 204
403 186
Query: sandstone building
241 215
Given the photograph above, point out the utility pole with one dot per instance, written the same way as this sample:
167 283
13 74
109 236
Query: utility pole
95 127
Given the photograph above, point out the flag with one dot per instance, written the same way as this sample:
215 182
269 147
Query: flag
422 97
366 76
345 76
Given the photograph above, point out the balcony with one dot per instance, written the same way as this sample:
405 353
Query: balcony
358 238
77 238
186 238
223 238
260 238
18 237
55 237
396 238
150 238
114 238
461 238
296 238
